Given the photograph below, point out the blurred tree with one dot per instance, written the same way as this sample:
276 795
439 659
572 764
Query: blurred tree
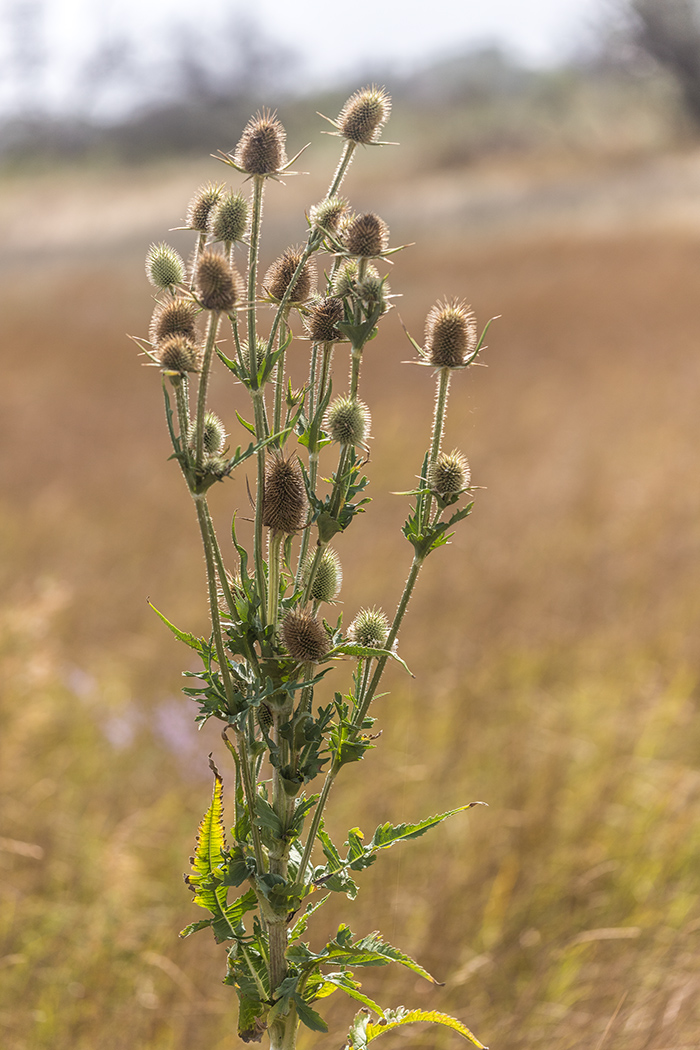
669 31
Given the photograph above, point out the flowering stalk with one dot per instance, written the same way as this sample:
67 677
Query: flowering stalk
271 647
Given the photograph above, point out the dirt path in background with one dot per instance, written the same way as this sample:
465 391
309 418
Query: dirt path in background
76 213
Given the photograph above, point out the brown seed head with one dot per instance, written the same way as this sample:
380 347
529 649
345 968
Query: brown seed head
364 115
366 235
217 284
304 636
175 317
200 207
450 334
281 272
322 318
284 496
177 353
261 148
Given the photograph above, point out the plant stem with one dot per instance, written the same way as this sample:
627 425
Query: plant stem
393 633
212 330
273 577
316 821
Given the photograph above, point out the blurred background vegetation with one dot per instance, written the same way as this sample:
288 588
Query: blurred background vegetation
555 643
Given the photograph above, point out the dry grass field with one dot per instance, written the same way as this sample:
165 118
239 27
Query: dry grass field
555 644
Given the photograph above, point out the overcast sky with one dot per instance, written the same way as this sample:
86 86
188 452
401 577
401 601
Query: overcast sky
331 40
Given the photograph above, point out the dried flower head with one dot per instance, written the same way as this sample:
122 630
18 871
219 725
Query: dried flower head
200 207
366 235
175 317
217 284
281 272
178 354
322 318
449 474
284 497
304 636
370 629
164 266
229 219
364 115
261 148
373 290
348 421
450 334
329 576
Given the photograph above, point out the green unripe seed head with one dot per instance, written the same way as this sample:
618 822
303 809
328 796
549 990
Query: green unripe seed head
229 219
261 148
449 474
348 421
164 266
304 637
201 206
450 334
345 278
328 578
213 434
284 498
364 115
370 628
329 214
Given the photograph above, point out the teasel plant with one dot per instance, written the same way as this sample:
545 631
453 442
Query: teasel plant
275 636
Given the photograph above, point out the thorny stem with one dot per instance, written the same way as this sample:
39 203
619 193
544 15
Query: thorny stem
257 394
273 580
317 817
393 633
183 410
212 330
443 386
279 378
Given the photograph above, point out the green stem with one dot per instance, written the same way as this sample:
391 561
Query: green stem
279 379
273 579
316 821
393 633
443 386
201 241
343 166
220 568
212 330
183 409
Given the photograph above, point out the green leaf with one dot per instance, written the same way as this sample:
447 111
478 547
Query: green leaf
361 856
301 925
308 1016
343 981
265 817
366 652
198 644
399 1018
251 1019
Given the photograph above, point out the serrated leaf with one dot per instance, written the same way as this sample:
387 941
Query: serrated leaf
373 1030
366 652
308 1016
198 644
343 981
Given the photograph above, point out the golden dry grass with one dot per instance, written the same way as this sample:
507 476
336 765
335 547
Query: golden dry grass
555 646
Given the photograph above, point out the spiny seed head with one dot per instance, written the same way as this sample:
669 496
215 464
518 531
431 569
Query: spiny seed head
345 277
179 354
284 497
328 214
216 466
328 578
214 434
164 266
229 218
261 148
373 289
450 334
366 235
304 636
322 318
348 421
449 474
364 115
217 283
370 628
201 206
265 717
175 317
281 272
260 350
